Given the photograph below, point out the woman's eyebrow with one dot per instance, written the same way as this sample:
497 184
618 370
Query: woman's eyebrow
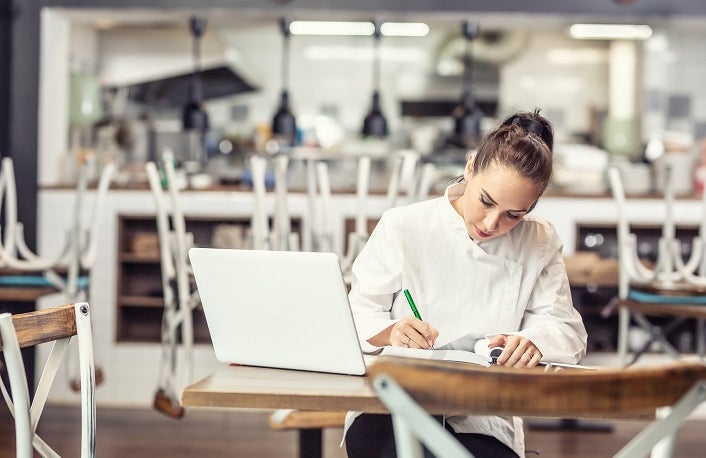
492 201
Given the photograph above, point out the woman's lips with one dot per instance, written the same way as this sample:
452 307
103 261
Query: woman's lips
481 234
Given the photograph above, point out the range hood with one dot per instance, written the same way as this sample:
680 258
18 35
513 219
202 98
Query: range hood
156 65
174 91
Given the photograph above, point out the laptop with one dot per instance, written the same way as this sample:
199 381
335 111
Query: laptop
282 309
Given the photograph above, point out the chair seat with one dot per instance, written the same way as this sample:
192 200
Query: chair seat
38 281
654 298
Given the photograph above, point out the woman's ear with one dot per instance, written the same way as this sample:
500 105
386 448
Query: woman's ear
468 170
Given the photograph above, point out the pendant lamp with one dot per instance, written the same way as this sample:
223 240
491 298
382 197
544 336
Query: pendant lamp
284 125
194 116
467 116
375 124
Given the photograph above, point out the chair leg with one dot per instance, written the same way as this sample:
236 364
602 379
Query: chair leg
665 447
700 337
623 328
416 424
657 334
641 444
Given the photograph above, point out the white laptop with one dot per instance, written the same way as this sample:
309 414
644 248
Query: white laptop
282 309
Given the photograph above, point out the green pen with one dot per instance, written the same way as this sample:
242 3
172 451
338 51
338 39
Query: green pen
411 305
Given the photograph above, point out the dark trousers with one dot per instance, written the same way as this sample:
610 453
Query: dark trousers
372 436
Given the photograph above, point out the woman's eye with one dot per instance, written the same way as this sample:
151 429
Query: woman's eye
513 216
485 203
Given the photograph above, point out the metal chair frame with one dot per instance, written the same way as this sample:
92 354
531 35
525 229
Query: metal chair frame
57 325
180 299
669 272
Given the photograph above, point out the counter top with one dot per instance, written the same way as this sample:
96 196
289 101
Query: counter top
245 188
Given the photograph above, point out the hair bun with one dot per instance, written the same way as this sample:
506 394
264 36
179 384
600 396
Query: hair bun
530 125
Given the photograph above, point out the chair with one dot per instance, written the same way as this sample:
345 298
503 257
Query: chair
180 299
57 325
672 288
415 389
67 272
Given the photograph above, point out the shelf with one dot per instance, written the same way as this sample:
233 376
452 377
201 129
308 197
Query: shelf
138 258
139 300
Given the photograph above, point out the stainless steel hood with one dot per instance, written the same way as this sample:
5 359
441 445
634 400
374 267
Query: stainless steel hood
155 65
174 91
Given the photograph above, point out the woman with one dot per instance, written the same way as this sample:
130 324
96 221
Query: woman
477 266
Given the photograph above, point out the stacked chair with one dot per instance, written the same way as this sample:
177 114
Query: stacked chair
67 272
180 297
671 288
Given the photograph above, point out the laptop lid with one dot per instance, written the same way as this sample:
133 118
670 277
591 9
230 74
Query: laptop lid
283 309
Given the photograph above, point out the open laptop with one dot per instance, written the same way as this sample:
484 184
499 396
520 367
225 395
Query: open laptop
282 309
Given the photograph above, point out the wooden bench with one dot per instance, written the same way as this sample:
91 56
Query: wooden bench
309 425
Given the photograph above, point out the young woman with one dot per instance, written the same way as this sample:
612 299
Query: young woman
477 265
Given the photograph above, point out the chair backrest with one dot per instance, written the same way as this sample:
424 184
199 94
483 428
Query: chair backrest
57 325
626 393
412 389
80 248
174 243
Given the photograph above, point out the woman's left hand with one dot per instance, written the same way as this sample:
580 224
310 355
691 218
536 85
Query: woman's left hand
518 351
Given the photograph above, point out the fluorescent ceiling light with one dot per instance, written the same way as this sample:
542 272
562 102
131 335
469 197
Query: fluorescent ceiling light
610 32
404 29
331 28
390 29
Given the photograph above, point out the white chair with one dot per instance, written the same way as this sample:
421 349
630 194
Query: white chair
404 164
671 288
175 369
358 238
413 389
69 271
78 254
56 325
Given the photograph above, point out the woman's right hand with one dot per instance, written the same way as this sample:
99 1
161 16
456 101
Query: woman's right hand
414 333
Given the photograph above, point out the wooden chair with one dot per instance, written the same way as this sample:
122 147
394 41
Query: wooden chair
413 389
57 325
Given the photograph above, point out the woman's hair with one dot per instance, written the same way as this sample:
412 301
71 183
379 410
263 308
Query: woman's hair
523 142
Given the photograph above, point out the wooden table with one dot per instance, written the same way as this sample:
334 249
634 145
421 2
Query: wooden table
455 388
265 388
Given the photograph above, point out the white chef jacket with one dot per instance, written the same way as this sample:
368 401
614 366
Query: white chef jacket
512 284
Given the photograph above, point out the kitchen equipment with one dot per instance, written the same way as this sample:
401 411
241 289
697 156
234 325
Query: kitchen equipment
375 124
682 165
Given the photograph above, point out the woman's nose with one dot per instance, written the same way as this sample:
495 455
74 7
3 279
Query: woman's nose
491 221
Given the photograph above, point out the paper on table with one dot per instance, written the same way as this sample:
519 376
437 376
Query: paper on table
443 355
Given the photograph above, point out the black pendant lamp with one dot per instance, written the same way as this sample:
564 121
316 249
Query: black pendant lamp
284 126
375 124
467 116
195 116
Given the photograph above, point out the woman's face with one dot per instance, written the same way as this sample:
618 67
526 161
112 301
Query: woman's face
494 201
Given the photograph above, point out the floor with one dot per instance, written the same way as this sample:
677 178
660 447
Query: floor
210 433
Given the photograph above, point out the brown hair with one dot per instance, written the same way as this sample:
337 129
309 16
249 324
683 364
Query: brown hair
523 142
